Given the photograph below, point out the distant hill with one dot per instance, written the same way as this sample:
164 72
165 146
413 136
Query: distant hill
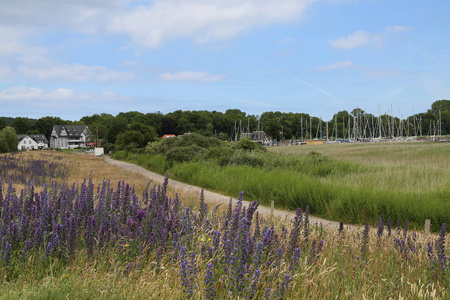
8 120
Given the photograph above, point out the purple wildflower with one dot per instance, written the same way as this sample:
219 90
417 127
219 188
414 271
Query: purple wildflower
209 281
380 227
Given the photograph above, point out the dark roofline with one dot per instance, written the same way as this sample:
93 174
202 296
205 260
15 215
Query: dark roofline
79 129
35 137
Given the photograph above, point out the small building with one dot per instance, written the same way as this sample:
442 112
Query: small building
166 136
258 136
32 141
69 136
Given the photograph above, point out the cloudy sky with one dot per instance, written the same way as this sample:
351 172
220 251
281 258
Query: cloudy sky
73 58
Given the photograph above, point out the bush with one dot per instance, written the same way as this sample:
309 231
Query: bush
218 153
162 146
184 154
240 158
317 157
248 144
195 139
8 140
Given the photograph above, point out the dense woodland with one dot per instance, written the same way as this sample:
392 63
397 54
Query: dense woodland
137 128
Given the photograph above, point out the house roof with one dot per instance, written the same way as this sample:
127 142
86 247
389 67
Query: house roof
168 136
257 135
73 131
38 138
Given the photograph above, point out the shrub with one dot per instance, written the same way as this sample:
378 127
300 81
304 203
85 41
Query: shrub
8 140
218 153
240 158
248 144
195 139
184 154
162 146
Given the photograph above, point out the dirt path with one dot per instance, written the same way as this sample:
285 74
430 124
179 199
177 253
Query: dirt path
212 197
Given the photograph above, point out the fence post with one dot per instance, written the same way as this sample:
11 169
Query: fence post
427 226
271 207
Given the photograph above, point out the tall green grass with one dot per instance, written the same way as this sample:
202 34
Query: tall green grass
342 203
328 185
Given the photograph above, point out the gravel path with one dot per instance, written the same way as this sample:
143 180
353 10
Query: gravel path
212 197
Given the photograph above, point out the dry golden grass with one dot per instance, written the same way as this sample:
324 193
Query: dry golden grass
81 166
418 167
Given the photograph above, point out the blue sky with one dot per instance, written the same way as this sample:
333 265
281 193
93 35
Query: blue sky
73 58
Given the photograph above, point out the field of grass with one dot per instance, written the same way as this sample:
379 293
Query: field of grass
101 239
411 167
355 183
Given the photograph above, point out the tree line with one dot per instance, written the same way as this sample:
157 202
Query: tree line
135 129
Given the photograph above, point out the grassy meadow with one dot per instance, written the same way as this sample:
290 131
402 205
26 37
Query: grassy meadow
410 167
96 231
354 183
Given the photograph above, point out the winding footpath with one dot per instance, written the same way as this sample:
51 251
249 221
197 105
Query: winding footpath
214 198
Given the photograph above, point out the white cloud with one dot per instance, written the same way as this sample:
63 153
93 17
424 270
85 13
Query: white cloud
5 72
190 76
148 23
46 69
33 93
337 65
361 38
60 98
203 20
21 92
80 15
10 40
355 40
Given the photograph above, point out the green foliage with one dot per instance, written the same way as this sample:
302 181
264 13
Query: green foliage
248 144
136 136
161 147
185 148
184 153
2 123
219 152
22 125
240 158
120 155
45 125
440 105
197 140
156 163
8 140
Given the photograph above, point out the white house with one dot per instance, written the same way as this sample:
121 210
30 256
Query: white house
32 141
258 136
69 136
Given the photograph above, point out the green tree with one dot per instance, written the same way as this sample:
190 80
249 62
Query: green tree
8 140
357 111
440 105
2 123
137 135
45 125
22 125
